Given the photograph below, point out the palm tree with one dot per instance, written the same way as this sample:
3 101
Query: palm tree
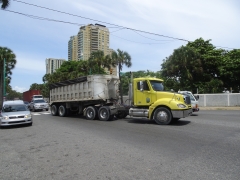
10 61
119 59
5 3
97 57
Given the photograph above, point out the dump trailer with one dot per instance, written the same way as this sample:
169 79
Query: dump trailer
96 97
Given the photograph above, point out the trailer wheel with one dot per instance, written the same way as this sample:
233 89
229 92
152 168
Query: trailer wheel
162 116
104 114
54 110
91 113
62 111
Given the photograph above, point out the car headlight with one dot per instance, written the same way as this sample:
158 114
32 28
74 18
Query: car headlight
28 116
181 106
5 117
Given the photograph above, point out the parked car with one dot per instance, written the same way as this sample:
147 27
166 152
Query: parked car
38 104
15 113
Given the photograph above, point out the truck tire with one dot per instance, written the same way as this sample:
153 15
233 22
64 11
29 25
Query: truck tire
104 114
54 110
162 116
62 111
91 113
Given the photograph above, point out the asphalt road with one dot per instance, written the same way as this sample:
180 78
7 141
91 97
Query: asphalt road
203 146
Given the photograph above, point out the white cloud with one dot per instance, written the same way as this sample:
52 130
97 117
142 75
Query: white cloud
20 89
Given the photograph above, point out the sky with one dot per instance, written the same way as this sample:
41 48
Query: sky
148 30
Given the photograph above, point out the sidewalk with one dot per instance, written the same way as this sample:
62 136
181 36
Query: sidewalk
220 108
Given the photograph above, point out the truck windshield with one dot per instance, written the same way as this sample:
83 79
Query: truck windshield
157 85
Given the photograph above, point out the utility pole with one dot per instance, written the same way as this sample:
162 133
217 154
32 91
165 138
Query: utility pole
4 78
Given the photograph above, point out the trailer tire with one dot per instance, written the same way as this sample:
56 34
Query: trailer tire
62 111
91 113
104 114
54 110
162 116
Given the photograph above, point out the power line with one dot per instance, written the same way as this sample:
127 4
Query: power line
42 18
139 42
116 26
180 39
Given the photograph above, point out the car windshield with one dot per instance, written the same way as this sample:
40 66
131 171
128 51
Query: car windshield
191 96
157 85
39 101
14 108
37 96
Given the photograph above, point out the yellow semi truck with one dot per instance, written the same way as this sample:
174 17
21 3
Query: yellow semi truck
95 97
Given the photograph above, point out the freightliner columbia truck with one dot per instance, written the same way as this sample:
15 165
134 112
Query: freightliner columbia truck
95 97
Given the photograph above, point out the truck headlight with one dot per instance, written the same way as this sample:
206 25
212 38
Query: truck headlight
181 106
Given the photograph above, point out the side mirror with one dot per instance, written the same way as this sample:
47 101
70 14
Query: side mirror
141 85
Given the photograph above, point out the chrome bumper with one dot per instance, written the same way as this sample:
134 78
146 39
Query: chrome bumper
181 114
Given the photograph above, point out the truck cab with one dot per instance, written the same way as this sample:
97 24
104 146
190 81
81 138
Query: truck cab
150 100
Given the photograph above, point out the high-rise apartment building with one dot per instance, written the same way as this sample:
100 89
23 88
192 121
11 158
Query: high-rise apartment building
92 38
53 64
73 48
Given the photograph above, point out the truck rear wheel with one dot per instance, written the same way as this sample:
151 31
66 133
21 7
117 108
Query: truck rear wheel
62 111
162 116
91 113
104 114
54 110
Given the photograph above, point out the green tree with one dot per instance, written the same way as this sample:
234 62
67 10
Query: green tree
98 58
120 58
194 65
10 62
5 3
230 70
182 68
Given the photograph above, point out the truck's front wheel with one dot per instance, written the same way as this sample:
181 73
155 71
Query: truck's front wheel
162 116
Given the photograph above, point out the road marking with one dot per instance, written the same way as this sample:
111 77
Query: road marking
41 113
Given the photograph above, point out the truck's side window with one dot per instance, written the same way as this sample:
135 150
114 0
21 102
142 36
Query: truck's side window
145 86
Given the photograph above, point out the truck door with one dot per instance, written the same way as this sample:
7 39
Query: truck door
142 94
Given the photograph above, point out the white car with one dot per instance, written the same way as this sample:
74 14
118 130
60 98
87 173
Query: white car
194 100
15 113
38 104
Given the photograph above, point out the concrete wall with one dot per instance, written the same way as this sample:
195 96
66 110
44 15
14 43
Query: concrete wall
219 100
212 100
